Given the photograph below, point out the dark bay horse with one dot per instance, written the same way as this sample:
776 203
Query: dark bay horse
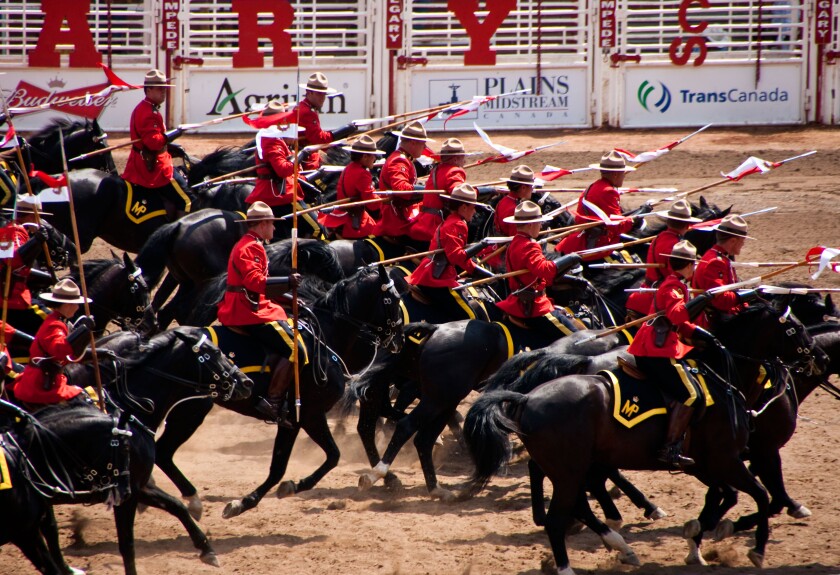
80 137
119 292
343 330
567 427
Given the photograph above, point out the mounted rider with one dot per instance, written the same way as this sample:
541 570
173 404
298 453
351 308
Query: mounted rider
602 195
678 218
660 348
437 274
445 175
276 186
246 308
528 303
43 381
716 269
149 163
355 183
22 312
520 186
398 174
317 89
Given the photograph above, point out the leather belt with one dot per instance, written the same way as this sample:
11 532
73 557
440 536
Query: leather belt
433 211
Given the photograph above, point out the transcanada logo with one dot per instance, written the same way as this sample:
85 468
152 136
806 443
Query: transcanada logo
647 95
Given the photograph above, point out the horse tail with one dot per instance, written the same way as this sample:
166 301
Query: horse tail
513 368
486 430
153 255
550 367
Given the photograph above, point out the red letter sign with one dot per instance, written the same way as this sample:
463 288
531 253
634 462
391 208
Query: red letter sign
480 53
394 25
77 34
822 22
250 33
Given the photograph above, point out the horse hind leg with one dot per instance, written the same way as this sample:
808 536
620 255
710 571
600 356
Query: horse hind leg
639 499
424 442
536 478
49 531
318 430
611 538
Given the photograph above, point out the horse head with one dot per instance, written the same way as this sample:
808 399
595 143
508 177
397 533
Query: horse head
227 381
145 320
62 250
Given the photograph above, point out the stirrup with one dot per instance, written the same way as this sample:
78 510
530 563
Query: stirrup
672 456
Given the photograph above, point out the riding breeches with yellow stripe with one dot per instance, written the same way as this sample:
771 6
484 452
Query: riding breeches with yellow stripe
276 336
673 378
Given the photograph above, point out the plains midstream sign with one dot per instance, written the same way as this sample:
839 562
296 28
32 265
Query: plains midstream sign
719 94
563 101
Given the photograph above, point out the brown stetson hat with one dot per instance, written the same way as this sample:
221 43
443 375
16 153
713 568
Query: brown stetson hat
679 211
613 162
526 213
26 204
258 212
522 175
364 145
414 131
734 225
65 291
317 82
683 250
465 194
155 78
453 147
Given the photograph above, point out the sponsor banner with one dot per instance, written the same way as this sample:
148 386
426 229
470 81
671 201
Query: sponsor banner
719 94
563 101
34 87
214 94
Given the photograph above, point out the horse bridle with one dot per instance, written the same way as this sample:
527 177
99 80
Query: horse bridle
806 362
378 335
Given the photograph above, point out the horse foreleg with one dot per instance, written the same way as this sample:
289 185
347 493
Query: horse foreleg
318 430
33 547
402 433
611 538
370 408
424 442
557 520
536 478
49 531
739 477
767 466
181 424
693 529
124 517
639 499
284 441
155 497
596 483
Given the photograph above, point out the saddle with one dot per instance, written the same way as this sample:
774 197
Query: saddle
417 295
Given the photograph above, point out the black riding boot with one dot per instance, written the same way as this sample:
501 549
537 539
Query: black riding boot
678 419
272 405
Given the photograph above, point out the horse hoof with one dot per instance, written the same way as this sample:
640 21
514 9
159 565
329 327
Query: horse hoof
195 507
285 489
691 529
800 512
233 509
615 492
367 480
445 495
75 571
392 482
566 571
210 558
756 558
630 558
724 529
614 524
694 557
657 513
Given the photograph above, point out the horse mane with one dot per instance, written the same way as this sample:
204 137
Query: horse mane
223 160
50 132
163 341
336 299
94 268
314 256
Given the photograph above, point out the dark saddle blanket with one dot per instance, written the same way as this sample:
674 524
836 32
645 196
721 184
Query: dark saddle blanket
143 204
243 350
635 400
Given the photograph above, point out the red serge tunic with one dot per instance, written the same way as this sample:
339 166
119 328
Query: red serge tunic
147 125
356 183
658 253
505 209
443 177
452 238
19 294
715 269
397 174
248 268
524 253
602 194
273 165
311 123
670 297
51 342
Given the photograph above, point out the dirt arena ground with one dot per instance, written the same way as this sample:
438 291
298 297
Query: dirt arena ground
334 528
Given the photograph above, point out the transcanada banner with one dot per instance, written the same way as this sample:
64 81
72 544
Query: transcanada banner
713 93
562 100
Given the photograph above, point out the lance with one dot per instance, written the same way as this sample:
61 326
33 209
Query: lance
223 177
28 184
82 282
484 242
295 311
171 135
746 283
656 153
606 266
778 290
621 191
344 202
505 158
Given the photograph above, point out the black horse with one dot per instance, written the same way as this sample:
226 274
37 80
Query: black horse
120 294
567 427
80 137
343 330
195 250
